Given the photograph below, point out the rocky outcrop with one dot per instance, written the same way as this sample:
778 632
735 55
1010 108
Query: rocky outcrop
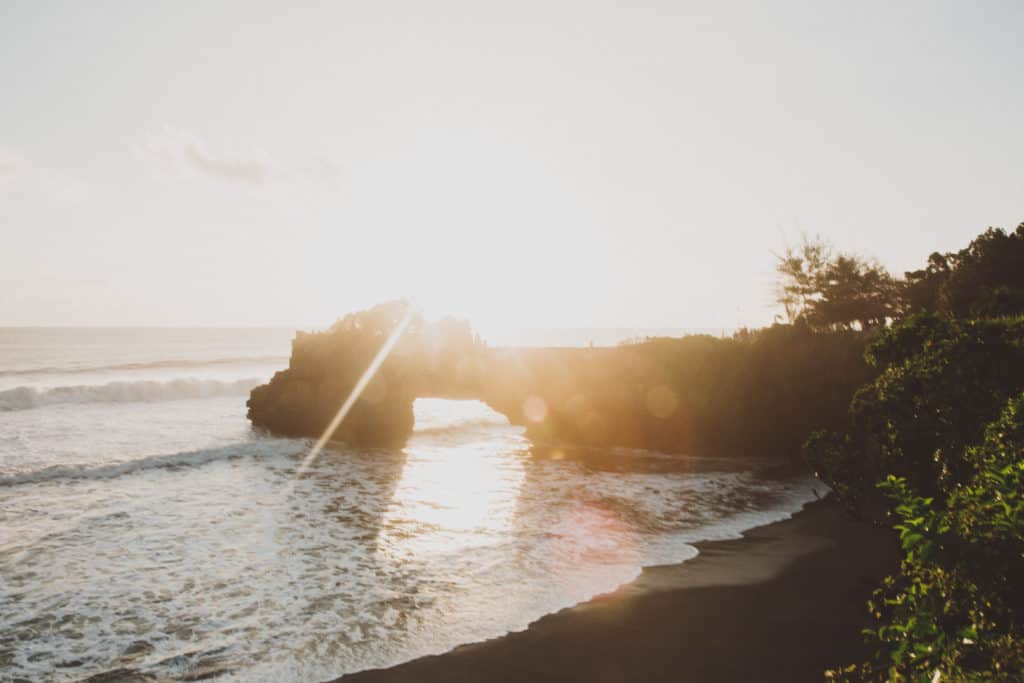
428 359
756 394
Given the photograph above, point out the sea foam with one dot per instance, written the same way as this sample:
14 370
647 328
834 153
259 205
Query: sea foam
29 397
258 447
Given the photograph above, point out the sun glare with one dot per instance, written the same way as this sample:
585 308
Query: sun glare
454 493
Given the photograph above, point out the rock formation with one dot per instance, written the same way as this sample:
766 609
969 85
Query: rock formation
756 394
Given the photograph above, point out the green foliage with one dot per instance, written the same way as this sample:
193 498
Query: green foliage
922 289
985 279
781 383
836 291
758 394
956 607
800 269
941 381
839 292
942 427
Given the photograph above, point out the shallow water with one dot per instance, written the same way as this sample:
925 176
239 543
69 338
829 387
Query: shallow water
162 535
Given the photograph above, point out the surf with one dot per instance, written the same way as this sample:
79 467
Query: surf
148 391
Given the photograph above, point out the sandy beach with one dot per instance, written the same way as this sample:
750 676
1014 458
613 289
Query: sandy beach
783 603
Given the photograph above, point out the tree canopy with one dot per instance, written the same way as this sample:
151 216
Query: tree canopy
834 291
985 279
830 290
935 445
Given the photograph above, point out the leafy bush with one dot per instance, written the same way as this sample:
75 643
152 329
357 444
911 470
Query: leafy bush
941 381
955 610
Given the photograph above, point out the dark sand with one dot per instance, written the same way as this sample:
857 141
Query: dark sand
781 604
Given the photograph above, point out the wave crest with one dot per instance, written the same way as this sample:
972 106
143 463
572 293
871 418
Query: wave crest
150 365
27 398
258 448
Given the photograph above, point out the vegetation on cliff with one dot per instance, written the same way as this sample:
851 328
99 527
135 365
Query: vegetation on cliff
326 366
944 430
756 394
935 445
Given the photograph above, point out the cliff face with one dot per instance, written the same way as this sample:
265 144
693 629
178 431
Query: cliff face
428 359
299 405
756 395
582 396
587 396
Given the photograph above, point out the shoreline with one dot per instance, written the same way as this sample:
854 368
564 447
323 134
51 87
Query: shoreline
782 603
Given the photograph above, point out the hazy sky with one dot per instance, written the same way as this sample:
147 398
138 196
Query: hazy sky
535 164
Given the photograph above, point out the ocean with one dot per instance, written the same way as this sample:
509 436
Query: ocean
146 528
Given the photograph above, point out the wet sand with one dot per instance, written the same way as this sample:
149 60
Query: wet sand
783 603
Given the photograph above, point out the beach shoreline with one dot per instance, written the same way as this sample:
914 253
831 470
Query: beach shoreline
783 603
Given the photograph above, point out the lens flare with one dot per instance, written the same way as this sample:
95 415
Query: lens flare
367 376
535 409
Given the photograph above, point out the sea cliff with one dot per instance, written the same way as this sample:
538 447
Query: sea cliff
756 394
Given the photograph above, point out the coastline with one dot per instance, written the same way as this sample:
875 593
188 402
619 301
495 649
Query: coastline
782 603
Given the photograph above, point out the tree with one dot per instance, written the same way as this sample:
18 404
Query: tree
940 382
800 270
922 288
942 428
839 292
985 279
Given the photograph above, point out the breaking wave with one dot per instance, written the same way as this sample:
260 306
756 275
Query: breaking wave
259 447
149 365
27 398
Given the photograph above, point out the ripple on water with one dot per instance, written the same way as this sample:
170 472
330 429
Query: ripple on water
235 569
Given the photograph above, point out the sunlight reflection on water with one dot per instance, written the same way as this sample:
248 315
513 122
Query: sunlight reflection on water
456 490
375 556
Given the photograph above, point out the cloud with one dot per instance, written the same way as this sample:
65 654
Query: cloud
11 165
242 170
178 152
31 181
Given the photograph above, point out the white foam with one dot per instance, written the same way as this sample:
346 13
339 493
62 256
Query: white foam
260 447
373 559
29 397
182 363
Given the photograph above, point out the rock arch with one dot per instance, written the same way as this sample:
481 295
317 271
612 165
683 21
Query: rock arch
594 396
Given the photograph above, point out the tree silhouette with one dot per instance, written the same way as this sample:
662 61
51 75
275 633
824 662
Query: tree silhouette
834 292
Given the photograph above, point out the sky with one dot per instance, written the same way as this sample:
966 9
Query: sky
533 164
